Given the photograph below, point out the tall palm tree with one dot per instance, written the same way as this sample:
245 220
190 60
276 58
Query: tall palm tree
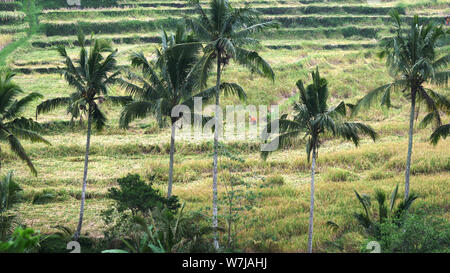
91 79
165 82
224 32
413 61
12 126
313 118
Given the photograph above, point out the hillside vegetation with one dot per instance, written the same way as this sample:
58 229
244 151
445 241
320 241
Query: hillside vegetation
338 36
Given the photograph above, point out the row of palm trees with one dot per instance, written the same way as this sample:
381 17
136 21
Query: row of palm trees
414 62
180 71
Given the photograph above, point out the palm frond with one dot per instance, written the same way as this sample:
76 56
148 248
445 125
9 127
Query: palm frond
135 110
98 117
253 61
18 149
52 104
441 132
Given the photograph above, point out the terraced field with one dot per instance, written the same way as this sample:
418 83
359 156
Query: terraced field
338 36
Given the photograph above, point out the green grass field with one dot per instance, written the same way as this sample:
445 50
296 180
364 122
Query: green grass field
339 37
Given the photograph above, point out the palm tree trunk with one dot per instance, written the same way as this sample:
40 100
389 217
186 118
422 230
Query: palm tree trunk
311 208
216 146
410 141
172 151
83 191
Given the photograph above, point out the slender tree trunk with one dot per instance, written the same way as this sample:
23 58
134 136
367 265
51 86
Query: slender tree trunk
83 191
410 141
216 146
311 208
172 151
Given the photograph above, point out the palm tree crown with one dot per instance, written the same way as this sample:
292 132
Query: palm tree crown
414 60
91 80
164 82
12 126
225 31
313 118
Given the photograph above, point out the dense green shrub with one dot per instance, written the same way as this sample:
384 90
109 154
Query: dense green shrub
133 198
165 232
418 233
140 197
142 220
22 240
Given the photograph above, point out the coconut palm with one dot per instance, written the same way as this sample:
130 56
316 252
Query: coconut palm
165 82
12 126
312 118
74 106
413 61
91 79
224 32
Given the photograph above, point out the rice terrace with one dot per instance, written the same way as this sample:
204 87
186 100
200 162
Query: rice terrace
350 96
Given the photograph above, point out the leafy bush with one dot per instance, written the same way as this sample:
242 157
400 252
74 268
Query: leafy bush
137 196
164 232
418 233
22 240
385 212
134 197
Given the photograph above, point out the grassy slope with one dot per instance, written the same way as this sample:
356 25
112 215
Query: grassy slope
143 149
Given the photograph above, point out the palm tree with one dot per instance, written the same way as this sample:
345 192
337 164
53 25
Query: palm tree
441 132
313 118
165 82
12 126
91 80
224 31
413 61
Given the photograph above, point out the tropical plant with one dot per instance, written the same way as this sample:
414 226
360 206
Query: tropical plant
368 220
12 126
91 80
138 196
413 60
22 240
165 233
419 232
9 195
441 132
73 103
313 118
224 31
164 83
133 198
